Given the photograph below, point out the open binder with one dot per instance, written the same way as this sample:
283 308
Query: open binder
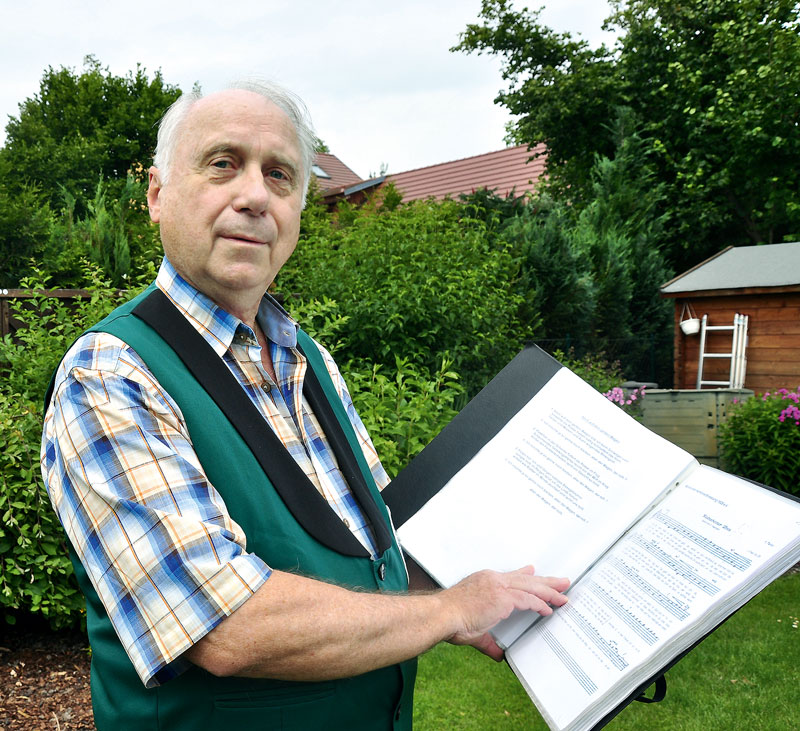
538 444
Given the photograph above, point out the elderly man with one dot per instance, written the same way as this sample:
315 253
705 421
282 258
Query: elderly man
221 496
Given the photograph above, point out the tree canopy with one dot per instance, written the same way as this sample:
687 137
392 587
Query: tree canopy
713 85
72 173
81 127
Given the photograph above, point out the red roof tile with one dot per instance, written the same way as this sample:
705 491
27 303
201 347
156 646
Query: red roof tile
501 171
339 174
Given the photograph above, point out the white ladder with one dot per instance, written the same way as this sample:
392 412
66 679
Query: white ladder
737 355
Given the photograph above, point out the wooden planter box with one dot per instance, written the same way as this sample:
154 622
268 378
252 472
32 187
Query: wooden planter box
690 418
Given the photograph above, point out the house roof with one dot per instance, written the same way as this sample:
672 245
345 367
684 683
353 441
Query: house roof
737 267
503 171
338 174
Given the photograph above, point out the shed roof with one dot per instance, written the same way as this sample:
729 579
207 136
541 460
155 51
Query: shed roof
739 267
339 175
503 171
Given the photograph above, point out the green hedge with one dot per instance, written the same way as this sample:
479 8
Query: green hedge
35 570
419 282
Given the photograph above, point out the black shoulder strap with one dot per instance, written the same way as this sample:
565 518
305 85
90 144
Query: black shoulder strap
299 495
312 390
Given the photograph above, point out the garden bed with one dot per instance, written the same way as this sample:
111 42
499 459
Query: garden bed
44 680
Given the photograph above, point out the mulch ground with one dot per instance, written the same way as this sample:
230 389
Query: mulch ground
44 680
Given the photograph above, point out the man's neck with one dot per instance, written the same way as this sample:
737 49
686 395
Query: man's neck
266 356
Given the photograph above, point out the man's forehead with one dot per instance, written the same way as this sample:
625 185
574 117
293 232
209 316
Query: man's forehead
239 110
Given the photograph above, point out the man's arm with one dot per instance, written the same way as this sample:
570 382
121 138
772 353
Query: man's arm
294 628
124 478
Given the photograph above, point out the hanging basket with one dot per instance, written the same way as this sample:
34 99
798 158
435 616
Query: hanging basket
690 323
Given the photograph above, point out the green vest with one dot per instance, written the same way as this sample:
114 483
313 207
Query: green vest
196 700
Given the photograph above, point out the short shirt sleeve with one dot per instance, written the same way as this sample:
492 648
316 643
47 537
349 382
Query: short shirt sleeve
153 534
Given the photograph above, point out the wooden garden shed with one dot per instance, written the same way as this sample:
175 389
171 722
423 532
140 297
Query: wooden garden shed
761 282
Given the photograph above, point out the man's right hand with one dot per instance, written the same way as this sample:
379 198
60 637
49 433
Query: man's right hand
487 597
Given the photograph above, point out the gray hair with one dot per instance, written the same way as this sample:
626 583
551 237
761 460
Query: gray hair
288 102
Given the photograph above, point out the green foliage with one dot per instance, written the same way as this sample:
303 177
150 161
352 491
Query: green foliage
83 126
713 83
36 573
49 326
35 570
79 129
594 368
414 283
492 209
760 439
593 276
26 221
391 197
556 277
716 82
560 91
404 407
116 234
323 320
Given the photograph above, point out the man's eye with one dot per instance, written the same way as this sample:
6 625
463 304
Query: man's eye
221 164
278 175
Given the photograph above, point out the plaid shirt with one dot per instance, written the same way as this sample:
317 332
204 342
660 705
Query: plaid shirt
127 486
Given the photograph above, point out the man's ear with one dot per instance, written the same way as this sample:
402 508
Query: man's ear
154 189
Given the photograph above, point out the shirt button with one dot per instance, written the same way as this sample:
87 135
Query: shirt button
346 522
265 387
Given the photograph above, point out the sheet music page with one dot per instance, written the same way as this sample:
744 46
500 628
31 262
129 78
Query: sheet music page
704 540
554 488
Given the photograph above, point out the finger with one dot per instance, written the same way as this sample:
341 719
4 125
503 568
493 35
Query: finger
538 597
528 582
487 645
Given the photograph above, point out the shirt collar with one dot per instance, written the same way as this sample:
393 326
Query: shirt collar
217 326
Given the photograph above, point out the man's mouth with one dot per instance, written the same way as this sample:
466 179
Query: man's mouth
244 238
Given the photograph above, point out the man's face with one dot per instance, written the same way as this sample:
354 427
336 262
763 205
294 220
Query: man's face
230 213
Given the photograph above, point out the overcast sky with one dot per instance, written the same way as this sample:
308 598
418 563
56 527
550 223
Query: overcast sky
377 75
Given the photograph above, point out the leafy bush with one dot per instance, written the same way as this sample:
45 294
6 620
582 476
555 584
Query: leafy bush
403 410
594 368
25 224
593 274
35 570
414 283
403 407
49 326
115 234
760 439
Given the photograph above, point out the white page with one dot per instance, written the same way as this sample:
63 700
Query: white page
557 485
690 553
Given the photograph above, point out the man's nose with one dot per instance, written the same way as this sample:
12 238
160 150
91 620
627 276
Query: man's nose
252 195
